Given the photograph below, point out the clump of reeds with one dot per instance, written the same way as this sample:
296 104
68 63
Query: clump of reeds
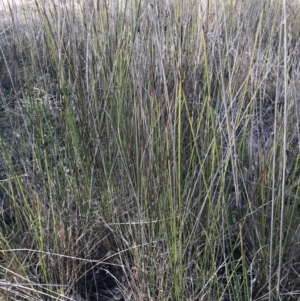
149 151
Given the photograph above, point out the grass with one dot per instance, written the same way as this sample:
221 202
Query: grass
149 151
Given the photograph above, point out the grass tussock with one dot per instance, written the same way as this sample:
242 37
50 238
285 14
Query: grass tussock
149 151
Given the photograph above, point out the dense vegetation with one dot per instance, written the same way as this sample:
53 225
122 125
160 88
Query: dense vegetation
149 150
